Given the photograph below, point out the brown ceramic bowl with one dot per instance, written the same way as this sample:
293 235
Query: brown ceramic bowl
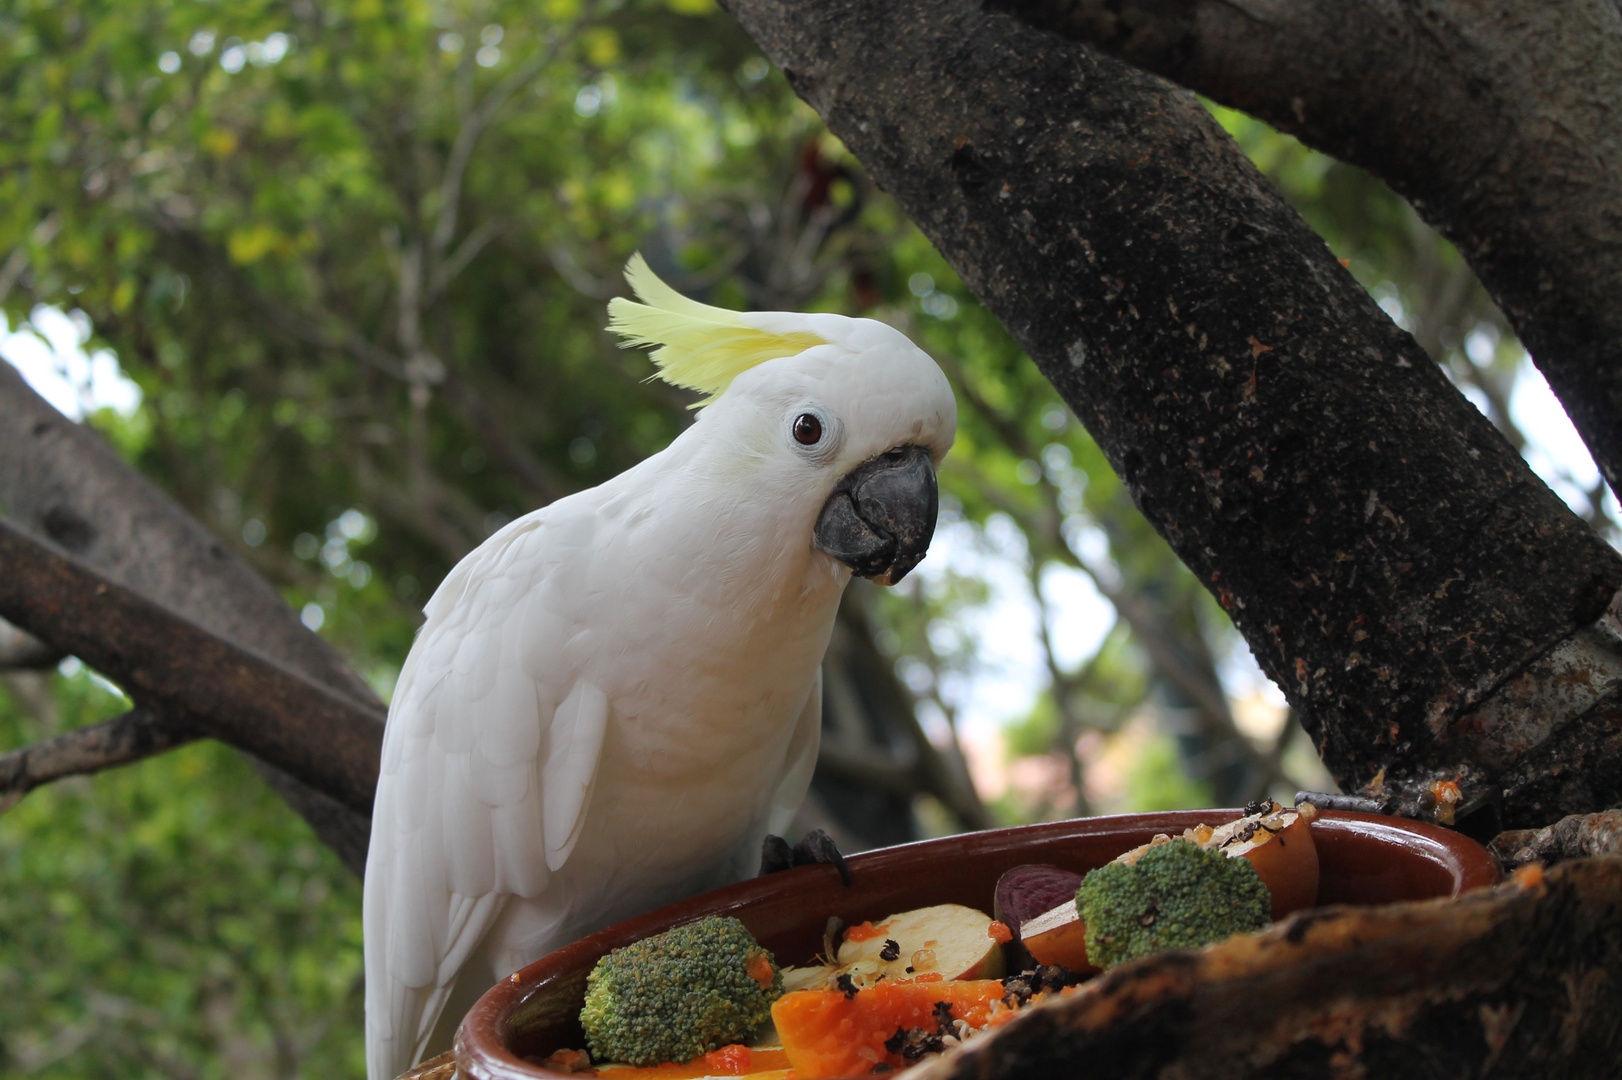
1363 859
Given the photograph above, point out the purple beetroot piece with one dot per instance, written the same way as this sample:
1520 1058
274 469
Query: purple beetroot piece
1027 891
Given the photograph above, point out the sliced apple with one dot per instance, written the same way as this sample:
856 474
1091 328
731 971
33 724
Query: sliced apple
814 977
1199 834
1058 936
945 942
948 940
1278 843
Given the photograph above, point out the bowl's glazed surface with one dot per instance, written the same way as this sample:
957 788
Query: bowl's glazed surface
1363 859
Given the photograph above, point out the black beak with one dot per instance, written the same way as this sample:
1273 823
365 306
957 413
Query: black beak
879 519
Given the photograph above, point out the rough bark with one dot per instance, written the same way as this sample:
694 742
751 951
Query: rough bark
139 733
1498 121
1389 558
58 479
1517 981
1574 837
193 678
24 652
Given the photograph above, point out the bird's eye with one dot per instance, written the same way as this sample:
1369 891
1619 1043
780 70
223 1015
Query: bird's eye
807 429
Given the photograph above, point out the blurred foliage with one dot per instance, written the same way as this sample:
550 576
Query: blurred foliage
168 920
355 256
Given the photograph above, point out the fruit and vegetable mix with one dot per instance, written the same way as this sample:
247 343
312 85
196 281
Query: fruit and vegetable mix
705 999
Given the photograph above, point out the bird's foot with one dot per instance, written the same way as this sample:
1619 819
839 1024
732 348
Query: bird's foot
815 846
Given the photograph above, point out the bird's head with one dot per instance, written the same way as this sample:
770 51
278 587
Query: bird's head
846 412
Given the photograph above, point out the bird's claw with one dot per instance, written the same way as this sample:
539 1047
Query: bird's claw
775 855
815 846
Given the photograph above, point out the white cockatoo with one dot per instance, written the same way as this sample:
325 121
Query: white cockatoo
617 697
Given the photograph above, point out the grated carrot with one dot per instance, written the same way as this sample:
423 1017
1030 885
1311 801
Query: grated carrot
865 931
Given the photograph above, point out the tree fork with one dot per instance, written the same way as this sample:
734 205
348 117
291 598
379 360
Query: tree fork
1389 558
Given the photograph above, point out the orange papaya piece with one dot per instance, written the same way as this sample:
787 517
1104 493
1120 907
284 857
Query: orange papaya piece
834 1033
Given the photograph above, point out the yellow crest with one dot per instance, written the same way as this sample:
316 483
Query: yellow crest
698 347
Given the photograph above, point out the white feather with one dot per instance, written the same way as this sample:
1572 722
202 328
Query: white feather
571 767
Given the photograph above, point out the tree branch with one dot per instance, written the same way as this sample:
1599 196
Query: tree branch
456 261
59 479
1195 678
316 325
542 481
933 770
1064 688
167 663
1146 623
24 652
1192 676
474 122
1388 556
323 328
860 765
579 278
1575 837
139 733
1498 121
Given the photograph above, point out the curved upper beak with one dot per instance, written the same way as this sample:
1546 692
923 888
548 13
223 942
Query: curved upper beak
881 516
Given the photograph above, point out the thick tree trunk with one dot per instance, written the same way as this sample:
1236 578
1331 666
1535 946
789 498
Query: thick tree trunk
1498 121
1390 559
59 480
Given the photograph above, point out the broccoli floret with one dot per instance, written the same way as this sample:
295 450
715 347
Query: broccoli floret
1177 895
679 994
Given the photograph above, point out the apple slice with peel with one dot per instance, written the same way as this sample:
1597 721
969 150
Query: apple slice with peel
947 941
1058 936
1277 841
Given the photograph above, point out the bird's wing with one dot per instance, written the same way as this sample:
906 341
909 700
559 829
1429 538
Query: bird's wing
489 757
799 763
